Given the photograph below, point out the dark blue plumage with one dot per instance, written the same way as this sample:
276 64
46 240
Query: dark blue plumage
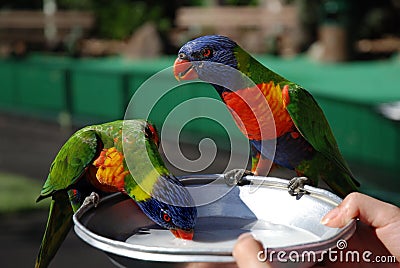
218 68
289 152
218 45
164 204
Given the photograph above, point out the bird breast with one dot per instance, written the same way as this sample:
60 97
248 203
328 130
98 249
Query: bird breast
259 111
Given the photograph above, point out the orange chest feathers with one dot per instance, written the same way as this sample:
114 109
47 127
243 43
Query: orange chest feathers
259 111
109 171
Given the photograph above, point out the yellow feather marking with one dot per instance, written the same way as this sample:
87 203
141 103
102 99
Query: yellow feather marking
111 172
143 189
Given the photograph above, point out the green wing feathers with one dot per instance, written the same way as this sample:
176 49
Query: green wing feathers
71 162
58 225
312 124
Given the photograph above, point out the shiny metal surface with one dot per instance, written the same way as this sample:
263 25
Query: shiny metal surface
280 221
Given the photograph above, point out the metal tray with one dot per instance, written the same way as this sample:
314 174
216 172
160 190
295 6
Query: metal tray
264 208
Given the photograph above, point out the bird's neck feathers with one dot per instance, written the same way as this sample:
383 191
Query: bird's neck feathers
146 169
156 159
253 69
251 72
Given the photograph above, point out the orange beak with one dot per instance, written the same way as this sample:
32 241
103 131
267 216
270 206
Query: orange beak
184 70
183 234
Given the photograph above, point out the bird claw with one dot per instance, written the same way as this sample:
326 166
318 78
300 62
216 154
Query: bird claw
236 177
296 186
93 198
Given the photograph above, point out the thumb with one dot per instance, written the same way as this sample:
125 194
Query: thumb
246 252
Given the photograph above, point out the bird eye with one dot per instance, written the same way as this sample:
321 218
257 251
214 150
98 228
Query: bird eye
166 217
207 52
182 56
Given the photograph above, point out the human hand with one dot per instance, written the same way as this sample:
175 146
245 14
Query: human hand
382 218
378 232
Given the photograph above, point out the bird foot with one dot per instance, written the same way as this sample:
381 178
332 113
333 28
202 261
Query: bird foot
236 177
93 198
296 186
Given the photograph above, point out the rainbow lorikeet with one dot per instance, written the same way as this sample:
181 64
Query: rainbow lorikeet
96 158
300 138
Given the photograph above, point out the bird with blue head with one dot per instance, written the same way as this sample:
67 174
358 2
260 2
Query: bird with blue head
120 156
282 121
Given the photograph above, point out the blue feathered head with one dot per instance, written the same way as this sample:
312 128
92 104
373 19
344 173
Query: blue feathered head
172 207
211 58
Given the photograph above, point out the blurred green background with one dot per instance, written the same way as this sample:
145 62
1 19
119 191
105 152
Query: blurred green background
68 63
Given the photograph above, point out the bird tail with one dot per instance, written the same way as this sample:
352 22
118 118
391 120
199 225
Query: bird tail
58 225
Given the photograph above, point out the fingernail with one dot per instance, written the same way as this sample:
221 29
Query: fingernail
330 216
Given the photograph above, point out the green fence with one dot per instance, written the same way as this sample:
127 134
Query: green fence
97 90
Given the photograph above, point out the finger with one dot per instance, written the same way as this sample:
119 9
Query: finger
369 210
246 251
